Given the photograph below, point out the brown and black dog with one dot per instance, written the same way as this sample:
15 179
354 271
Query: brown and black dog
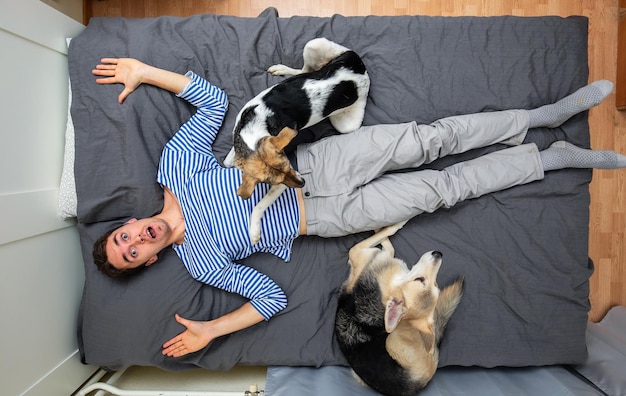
333 84
390 320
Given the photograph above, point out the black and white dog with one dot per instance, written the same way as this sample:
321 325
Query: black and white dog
333 83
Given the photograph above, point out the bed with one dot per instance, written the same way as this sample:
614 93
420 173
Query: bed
522 251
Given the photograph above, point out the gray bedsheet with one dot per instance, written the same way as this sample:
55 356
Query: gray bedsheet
465 381
602 373
523 251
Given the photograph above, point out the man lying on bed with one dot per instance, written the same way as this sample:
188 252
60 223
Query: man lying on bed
348 191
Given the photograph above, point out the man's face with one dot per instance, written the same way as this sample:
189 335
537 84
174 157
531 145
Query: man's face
137 242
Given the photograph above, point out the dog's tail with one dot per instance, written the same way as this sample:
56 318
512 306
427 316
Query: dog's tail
448 300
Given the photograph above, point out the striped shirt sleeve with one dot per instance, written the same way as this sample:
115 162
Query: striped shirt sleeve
264 294
199 133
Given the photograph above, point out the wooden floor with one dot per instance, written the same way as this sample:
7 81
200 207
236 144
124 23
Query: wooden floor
608 126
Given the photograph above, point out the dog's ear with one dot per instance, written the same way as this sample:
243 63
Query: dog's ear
271 148
271 152
247 186
272 145
394 311
283 138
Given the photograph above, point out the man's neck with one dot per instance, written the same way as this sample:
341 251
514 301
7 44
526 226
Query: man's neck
173 215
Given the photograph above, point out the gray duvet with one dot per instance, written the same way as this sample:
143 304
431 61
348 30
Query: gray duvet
523 251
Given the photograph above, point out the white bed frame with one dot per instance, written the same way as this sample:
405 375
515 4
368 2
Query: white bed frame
103 381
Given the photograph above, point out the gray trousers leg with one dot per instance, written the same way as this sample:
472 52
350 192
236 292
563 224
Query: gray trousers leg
347 190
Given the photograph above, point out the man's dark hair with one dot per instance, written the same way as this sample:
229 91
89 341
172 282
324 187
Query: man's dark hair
102 261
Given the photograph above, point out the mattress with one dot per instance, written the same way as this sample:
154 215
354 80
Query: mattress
522 251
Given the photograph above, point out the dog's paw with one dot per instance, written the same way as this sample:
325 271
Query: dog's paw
255 232
229 161
282 70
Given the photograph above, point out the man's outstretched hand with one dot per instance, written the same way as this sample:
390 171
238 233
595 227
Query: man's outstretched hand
125 71
191 340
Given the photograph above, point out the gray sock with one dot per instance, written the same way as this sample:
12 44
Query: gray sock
555 114
562 155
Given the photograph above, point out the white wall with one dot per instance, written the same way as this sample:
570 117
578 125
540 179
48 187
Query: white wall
41 275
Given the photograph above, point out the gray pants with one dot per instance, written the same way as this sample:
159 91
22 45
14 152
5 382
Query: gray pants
348 189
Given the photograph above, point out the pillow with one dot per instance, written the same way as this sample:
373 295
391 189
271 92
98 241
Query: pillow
67 189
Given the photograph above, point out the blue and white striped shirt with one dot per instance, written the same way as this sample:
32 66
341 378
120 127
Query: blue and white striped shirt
216 218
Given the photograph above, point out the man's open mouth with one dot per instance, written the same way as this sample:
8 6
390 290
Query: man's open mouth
151 232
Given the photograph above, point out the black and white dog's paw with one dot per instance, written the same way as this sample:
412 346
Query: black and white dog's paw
254 230
282 70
